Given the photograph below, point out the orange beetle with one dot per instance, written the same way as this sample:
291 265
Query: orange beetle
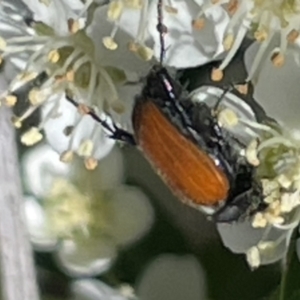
185 145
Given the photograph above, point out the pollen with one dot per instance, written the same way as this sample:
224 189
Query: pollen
90 163
242 88
269 18
67 156
67 209
232 6
228 41
198 24
217 74
16 122
228 118
10 100
109 43
144 52
70 76
171 9
293 36
259 221
83 109
31 137
252 154
53 56
73 25
278 60
115 10
253 257
86 148
36 97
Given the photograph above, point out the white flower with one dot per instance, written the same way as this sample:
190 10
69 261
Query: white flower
171 277
265 20
277 89
194 36
275 156
47 12
84 216
92 289
61 58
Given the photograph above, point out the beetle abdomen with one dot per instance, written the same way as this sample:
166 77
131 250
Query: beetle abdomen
186 168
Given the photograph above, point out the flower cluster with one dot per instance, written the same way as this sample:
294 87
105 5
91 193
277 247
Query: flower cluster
84 217
70 58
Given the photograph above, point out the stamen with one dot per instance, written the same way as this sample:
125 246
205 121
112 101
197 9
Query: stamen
236 45
31 137
10 100
115 10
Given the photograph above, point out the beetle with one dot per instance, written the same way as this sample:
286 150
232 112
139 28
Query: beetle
185 144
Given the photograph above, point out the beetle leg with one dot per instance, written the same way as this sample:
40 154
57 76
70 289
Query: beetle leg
115 132
242 204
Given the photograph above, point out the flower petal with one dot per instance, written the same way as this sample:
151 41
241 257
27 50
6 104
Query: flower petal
40 166
92 289
171 277
122 58
55 13
40 235
268 244
85 256
278 89
67 115
186 46
133 214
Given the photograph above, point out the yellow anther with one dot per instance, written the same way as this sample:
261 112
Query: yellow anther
73 25
67 156
86 148
31 137
171 9
3 44
36 97
232 6
198 24
109 43
115 10
228 118
27 76
278 59
90 163
217 74
251 153
292 36
133 47
259 221
145 53
16 121
228 41
253 257
136 4
70 75
10 100
284 181
53 56
242 88
261 35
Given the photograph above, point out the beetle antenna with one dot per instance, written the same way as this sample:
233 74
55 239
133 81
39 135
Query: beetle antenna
115 132
162 30
225 91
